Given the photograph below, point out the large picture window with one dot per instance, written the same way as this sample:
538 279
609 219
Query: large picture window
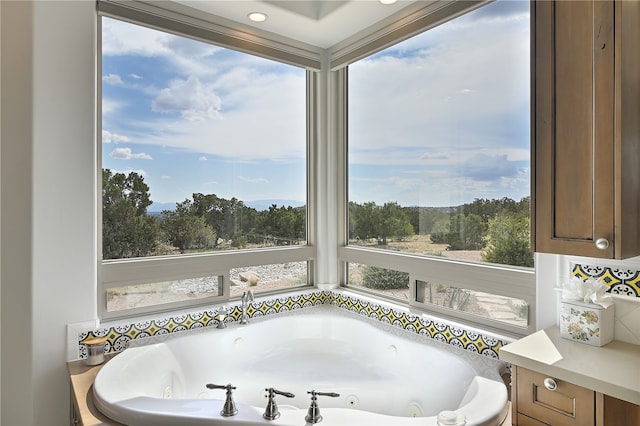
439 169
203 152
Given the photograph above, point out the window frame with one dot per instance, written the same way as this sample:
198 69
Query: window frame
502 280
114 273
327 168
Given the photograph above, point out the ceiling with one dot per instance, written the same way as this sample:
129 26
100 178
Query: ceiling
320 23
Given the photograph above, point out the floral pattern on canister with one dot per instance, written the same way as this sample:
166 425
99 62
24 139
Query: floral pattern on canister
586 323
582 325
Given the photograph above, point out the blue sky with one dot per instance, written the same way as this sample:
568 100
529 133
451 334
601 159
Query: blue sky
443 118
438 120
191 117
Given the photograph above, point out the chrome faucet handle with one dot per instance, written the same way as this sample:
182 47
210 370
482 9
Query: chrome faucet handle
222 314
247 296
271 412
313 414
229 408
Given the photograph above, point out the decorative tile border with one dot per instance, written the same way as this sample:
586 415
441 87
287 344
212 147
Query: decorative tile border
619 280
438 330
119 336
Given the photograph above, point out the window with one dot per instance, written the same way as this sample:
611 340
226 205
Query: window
204 163
438 167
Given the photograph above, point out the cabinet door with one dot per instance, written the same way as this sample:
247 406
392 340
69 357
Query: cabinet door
573 134
528 421
566 405
613 411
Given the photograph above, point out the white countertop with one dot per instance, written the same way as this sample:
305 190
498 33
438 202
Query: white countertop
613 369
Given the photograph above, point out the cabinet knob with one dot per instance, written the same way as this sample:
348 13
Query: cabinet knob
602 244
550 384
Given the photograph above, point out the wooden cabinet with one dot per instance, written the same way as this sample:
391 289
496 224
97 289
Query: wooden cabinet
552 401
586 128
539 400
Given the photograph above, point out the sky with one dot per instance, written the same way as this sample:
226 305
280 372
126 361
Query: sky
443 118
437 120
191 117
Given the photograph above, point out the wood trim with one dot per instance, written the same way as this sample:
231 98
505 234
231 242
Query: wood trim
600 409
627 126
615 411
81 377
515 397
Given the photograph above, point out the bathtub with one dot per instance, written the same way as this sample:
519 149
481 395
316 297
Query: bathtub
384 375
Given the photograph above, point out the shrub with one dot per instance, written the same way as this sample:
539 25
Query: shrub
384 279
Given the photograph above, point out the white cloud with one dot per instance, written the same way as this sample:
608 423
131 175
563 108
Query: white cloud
263 117
127 154
202 158
253 180
121 38
190 98
135 76
113 79
431 105
165 177
110 105
483 167
444 89
108 137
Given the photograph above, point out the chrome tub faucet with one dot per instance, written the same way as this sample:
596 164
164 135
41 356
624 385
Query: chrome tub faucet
247 297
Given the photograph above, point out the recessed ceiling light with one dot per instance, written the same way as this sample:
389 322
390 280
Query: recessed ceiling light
258 16
387 1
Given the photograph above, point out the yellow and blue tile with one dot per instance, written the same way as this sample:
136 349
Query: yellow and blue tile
624 281
118 337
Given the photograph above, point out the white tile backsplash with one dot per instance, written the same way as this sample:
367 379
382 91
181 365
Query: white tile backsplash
627 319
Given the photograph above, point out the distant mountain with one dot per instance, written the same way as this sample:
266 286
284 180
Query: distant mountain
159 207
265 204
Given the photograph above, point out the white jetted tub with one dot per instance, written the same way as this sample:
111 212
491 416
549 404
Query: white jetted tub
384 376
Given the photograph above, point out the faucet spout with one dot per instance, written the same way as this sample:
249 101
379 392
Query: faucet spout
247 297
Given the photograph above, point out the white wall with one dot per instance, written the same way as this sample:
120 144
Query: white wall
48 207
0 211
15 232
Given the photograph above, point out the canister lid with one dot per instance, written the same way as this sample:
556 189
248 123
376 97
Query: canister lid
94 341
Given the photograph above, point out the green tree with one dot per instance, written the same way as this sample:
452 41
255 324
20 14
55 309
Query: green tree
284 225
429 217
384 279
185 230
127 230
439 231
508 244
363 219
465 232
382 222
413 216
393 222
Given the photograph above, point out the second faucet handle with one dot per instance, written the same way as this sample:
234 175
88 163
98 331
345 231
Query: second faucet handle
313 414
271 412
